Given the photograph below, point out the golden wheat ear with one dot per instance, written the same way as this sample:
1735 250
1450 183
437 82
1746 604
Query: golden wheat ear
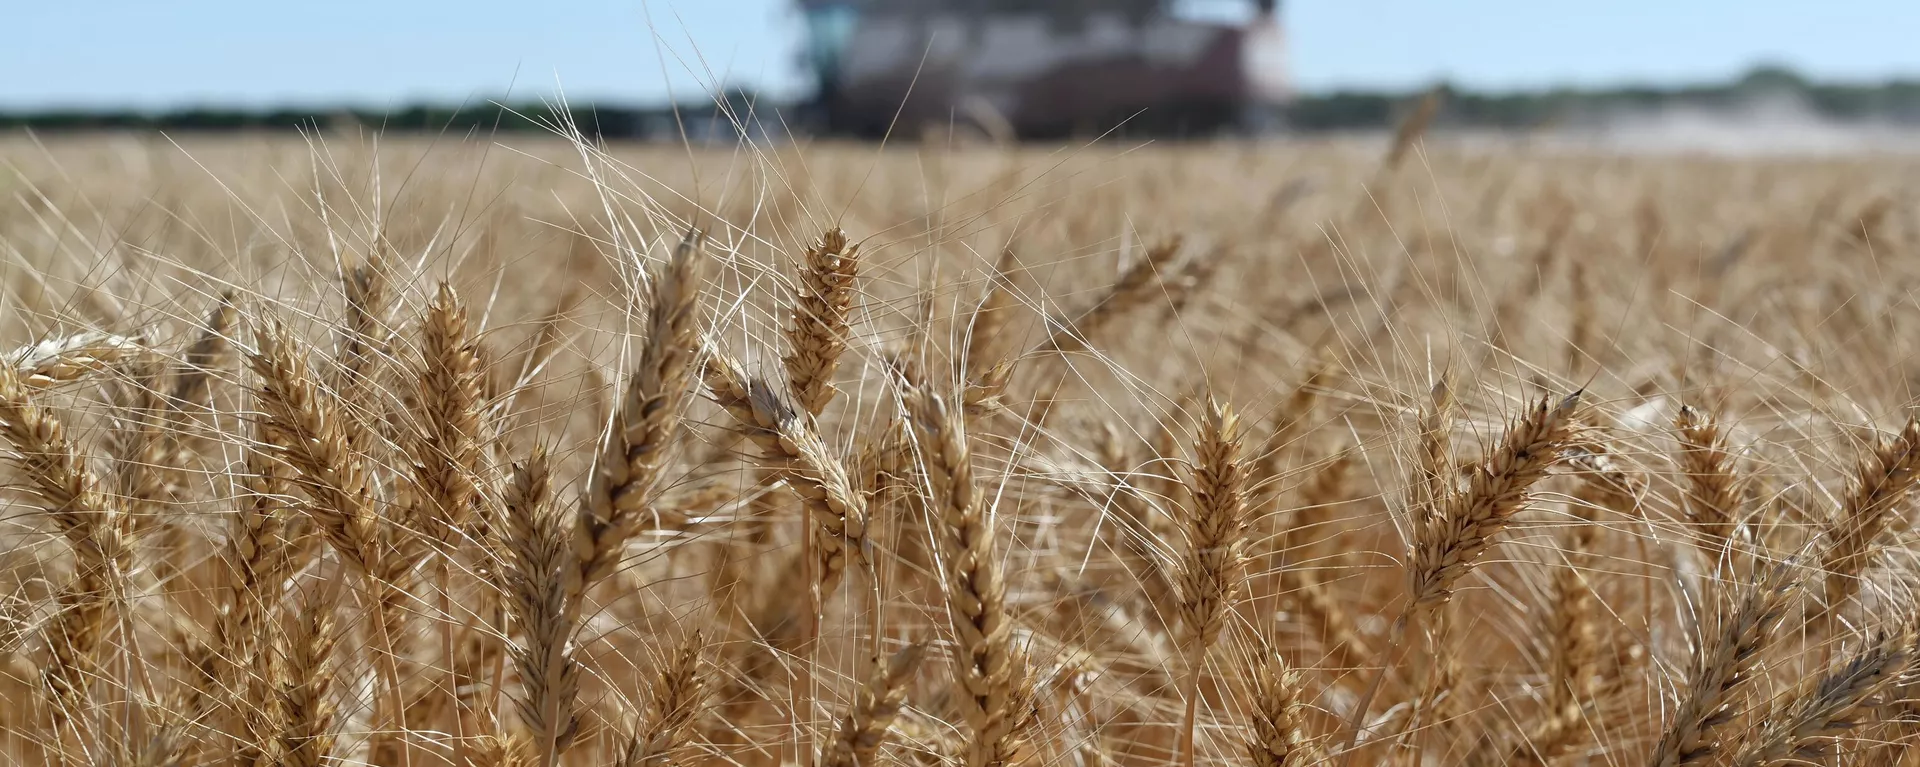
638 449
677 700
59 479
1451 543
1726 656
1210 574
1801 727
1881 485
1712 489
864 727
1462 529
822 319
976 591
305 731
538 576
449 443
1277 735
68 359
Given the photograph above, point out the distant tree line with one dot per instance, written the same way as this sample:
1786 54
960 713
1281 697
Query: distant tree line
1894 101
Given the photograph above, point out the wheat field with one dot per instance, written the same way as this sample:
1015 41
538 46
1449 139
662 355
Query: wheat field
404 452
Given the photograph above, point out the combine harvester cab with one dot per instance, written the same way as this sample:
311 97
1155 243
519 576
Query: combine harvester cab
1043 70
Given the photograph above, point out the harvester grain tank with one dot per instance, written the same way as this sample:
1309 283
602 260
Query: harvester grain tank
1043 68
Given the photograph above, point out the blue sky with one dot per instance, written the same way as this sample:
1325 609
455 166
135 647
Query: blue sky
372 53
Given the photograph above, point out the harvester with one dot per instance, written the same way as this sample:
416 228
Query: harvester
1042 68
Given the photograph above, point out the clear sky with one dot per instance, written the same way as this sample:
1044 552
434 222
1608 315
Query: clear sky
148 54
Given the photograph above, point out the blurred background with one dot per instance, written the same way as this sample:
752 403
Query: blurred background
1715 72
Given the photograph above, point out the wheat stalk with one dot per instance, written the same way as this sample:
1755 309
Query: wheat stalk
635 455
1214 565
1725 657
984 664
538 572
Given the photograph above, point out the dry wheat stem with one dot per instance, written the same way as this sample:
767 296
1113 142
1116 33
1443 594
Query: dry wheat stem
539 568
976 593
1214 566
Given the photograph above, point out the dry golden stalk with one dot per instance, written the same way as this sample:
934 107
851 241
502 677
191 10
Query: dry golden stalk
976 595
637 449
1881 483
1277 736
1436 701
1583 342
59 480
1448 546
538 568
303 684
450 445
1215 562
679 695
1132 290
857 742
785 435
259 558
303 425
1725 657
1796 731
63 360
1451 542
1712 485
1216 527
817 336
